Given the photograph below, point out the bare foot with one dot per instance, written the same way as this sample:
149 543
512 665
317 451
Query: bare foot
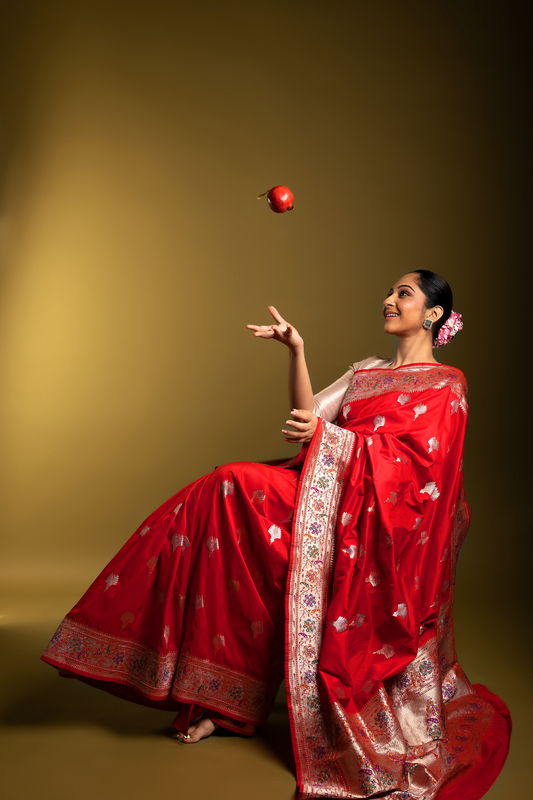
200 729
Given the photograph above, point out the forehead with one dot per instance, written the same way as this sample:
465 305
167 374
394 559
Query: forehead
409 279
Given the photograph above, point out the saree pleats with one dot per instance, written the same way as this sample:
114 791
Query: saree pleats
190 612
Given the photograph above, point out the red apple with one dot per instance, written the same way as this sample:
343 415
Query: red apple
279 198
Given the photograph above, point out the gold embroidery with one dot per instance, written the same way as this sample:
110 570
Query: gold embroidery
408 379
112 658
224 689
313 542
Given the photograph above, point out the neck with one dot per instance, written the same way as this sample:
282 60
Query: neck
415 349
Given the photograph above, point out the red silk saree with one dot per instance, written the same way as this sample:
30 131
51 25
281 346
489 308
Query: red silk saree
340 563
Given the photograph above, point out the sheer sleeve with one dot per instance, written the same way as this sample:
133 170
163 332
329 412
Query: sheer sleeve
328 401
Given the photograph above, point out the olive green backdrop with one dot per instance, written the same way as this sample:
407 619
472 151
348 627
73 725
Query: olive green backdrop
134 140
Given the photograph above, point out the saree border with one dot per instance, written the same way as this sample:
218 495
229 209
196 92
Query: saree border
411 378
308 584
103 656
229 691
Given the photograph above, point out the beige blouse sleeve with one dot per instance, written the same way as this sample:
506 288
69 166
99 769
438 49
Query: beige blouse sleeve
328 401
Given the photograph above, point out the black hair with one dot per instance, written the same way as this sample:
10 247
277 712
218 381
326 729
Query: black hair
438 293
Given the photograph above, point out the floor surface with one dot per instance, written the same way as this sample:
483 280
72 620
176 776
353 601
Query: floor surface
61 739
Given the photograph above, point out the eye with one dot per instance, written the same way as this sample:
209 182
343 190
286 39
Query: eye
403 291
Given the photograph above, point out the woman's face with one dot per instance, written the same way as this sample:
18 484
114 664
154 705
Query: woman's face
404 308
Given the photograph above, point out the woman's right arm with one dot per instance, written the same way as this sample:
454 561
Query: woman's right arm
300 390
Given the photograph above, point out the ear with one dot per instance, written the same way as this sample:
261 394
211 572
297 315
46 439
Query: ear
436 313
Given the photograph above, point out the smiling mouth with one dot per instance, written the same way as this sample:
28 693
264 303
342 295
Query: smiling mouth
388 316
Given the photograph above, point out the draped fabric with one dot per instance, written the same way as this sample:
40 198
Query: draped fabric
189 615
379 703
340 562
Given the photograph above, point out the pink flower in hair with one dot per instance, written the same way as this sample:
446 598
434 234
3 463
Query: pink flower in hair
452 326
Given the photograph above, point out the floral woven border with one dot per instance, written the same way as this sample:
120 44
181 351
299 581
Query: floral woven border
329 455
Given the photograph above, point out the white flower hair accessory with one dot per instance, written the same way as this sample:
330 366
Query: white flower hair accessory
451 327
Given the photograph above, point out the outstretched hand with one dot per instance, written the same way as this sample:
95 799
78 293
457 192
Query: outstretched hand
281 331
303 426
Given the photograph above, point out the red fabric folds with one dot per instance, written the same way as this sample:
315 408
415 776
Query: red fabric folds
343 568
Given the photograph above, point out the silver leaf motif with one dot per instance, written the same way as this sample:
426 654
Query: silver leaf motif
420 409
350 551
403 398
179 540
177 508
431 489
387 650
433 444
111 580
340 624
455 406
374 579
359 620
392 498
379 422
166 634
144 531
275 533
258 496
401 611
423 537
345 519
346 410
416 526
369 441
227 488
198 602
212 544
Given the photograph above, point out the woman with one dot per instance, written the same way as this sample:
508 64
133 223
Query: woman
338 565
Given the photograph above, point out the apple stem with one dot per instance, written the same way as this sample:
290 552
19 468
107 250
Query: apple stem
259 196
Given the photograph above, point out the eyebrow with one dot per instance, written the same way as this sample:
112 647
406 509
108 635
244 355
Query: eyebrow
405 286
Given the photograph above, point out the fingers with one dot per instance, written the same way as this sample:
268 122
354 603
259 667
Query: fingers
302 414
277 316
298 426
299 432
263 331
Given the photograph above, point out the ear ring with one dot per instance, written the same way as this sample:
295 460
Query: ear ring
427 324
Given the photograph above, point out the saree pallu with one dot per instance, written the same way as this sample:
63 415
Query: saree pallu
221 585
379 704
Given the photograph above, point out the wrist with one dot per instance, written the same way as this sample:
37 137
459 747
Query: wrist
296 350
